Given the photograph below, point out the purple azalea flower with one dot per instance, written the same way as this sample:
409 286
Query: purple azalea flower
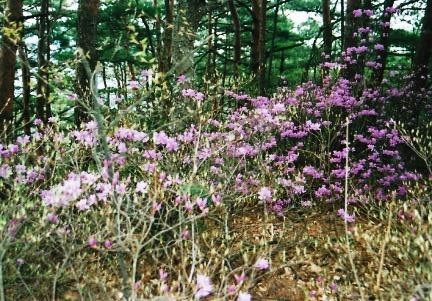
244 297
204 286
262 264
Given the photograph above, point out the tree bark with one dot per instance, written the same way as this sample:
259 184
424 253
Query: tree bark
237 36
191 11
349 39
87 24
342 21
25 75
210 48
225 67
327 29
166 62
155 52
131 68
381 58
282 63
263 54
423 52
11 38
273 40
159 54
327 35
255 37
363 37
104 79
43 63
416 106
258 55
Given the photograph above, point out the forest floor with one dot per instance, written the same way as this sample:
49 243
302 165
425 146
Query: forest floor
310 256
390 246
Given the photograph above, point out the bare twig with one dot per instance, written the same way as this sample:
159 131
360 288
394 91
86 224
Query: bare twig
382 251
350 255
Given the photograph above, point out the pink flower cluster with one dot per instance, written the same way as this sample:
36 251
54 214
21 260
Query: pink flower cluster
195 95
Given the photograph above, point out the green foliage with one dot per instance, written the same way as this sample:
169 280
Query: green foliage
404 39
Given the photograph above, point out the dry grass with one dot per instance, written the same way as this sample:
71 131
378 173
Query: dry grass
307 249
313 250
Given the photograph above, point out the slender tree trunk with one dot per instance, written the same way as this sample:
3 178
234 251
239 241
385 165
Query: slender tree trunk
117 76
166 62
423 52
104 79
364 37
237 36
25 73
87 23
255 37
131 70
157 29
191 11
123 76
48 112
282 63
155 52
381 58
275 24
130 61
342 25
210 49
225 68
416 105
327 30
11 38
263 54
214 47
349 39
43 49
367 5
258 54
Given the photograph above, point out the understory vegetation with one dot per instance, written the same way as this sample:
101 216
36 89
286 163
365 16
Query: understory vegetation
184 183
219 204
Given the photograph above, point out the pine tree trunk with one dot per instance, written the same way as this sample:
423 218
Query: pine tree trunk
225 68
254 64
273 40
351 24
117 76
11 38
158 53
423 52
87 23
342 22
327 35
43 49
154 52
258 53
131 68
166 62
25 75
282 63
237 36
417 106
364 37
104 79
210 48
381 59
327 29
184 37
